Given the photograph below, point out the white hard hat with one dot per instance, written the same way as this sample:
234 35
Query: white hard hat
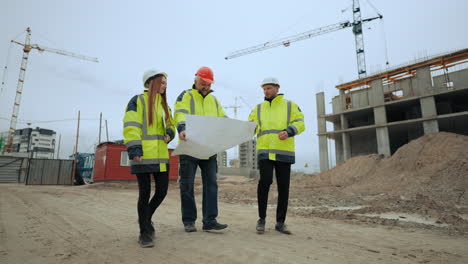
150 73
269 80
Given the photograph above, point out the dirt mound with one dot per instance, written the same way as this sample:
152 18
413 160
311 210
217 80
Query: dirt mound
424 184
433 164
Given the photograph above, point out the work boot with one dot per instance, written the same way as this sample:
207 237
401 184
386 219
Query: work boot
190 228
145 241
282 228
214 226
261 226
152 231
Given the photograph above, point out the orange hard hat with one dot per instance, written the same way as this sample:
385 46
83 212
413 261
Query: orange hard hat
206 74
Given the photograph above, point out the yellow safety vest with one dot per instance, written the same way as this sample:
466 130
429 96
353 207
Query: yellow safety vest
192 102
271 119
145 140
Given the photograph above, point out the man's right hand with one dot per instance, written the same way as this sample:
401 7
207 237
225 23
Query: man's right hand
182 136
137 158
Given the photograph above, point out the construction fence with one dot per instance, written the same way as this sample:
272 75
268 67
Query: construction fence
12 169
35 171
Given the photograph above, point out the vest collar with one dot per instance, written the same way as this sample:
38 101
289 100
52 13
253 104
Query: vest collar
279 96
196 91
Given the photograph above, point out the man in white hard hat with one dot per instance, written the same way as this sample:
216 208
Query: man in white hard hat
278 121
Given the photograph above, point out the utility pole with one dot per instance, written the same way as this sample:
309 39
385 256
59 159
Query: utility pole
76 148
107 132
100 125
58 150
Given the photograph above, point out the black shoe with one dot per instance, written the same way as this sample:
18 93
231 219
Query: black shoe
282 228
214 226
145 241
190 228
261 226
152 231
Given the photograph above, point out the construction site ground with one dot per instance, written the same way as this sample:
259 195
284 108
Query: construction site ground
411 207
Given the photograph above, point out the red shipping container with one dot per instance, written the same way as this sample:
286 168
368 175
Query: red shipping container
111 164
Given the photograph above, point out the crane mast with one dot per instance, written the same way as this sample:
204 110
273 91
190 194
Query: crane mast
19 88
359 39
235 107
19 91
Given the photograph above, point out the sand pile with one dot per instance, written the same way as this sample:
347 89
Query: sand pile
435 165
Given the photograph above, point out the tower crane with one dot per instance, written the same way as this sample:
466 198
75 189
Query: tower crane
286 41
235 106
19 88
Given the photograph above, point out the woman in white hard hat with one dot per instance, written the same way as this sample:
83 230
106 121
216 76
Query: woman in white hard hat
148 128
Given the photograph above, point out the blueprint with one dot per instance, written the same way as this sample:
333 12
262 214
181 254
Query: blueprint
207 135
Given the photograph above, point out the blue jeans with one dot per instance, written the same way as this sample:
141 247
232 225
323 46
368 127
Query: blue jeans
187 169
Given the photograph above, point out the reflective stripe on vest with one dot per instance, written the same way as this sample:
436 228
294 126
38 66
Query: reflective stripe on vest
132 123
133 143
145 135
217 106
153 137
297 120
192 104
269 131
259 108
276 151
148 161
181 111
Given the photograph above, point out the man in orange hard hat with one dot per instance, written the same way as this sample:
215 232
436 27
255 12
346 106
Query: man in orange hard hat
198 100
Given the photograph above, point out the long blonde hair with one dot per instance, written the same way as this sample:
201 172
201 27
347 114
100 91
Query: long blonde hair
152 92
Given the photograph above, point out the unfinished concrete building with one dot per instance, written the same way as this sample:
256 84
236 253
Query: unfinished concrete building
382 112
222 159
248 154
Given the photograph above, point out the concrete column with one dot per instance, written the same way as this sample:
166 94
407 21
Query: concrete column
428 109
422 82
342 101
345 138
338 149
338 143
383 141
376 93
322 128
346 146
380 115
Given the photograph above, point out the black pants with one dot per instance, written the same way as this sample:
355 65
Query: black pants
146 208
283 172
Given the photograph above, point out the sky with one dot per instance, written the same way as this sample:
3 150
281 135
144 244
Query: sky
178 37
